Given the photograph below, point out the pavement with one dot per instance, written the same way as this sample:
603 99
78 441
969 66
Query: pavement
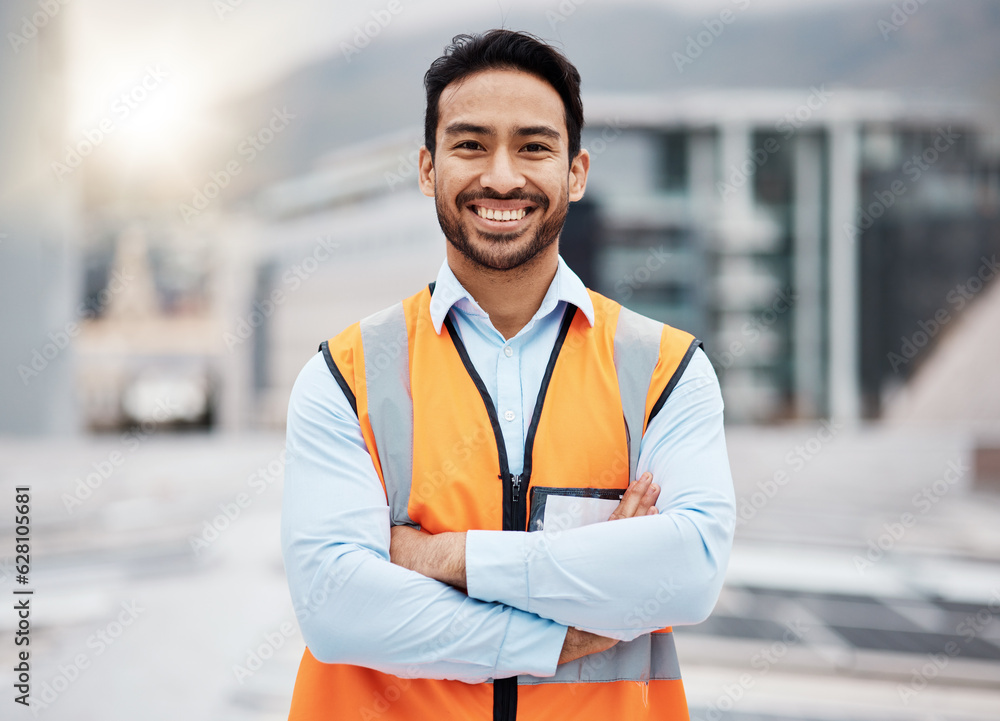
864 583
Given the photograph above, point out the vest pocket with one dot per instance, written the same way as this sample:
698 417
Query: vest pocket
558 509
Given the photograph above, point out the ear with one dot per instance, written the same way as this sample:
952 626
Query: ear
426 172
578 170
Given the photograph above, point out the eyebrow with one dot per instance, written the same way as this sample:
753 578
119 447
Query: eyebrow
490 132
471 128
543 130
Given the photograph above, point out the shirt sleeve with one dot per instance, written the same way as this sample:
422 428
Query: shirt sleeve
352 604
628 577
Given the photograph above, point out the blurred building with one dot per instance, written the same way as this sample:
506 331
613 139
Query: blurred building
39 263
809 239
802 236
150 351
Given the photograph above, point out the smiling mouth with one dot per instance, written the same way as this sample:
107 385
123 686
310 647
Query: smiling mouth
502 215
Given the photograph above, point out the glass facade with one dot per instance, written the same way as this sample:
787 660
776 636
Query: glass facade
739 233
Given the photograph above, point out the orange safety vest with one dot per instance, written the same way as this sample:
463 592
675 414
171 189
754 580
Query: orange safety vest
436 444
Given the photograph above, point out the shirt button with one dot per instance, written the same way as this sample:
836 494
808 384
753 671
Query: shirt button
508 415
508 351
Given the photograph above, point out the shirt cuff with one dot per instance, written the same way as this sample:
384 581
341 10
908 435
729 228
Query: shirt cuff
495 566
531 646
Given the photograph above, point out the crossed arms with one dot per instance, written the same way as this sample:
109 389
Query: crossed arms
442 557
358 600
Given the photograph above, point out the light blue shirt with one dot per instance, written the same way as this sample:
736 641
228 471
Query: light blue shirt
620 579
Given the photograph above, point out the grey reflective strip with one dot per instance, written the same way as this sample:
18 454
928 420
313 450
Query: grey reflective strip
652 657
390 406
637 349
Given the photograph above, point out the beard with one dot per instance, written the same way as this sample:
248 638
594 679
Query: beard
500 251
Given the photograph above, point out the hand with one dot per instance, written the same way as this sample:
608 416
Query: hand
639 499
439 556
583 643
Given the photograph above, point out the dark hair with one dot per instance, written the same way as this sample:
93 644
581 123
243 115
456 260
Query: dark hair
504 50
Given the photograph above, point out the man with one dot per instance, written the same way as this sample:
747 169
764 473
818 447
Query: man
503 490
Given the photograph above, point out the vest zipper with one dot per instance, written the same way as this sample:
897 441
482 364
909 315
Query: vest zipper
514 511
518 510
514 502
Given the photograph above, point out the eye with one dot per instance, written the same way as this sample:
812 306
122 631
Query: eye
468 145
536 148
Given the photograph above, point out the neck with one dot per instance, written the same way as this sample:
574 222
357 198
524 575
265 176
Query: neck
510 297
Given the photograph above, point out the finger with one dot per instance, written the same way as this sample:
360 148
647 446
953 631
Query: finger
629 503
633 496
648 500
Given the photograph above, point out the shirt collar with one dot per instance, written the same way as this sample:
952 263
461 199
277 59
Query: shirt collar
565 286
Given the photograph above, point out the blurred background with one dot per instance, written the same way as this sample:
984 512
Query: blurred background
194 194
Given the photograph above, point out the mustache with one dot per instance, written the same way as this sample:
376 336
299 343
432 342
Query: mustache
466 197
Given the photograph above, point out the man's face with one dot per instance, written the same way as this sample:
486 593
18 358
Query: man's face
501 177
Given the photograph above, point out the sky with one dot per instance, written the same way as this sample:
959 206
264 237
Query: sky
220 49
194 56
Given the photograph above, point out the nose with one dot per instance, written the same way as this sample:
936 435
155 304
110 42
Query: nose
501 173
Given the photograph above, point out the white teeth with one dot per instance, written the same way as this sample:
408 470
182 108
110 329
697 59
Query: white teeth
492 214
